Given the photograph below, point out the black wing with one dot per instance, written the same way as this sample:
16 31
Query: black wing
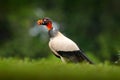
74 56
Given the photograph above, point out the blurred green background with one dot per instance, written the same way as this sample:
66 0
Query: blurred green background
93 24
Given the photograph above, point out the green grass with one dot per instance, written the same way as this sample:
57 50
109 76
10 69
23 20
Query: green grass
53 69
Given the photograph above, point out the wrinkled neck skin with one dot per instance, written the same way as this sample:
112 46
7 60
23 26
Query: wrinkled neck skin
53 32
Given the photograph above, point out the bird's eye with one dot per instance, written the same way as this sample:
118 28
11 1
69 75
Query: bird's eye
44 20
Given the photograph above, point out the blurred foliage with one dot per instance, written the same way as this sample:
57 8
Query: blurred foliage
93 24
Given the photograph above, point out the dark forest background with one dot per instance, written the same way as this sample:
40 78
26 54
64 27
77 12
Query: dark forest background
93 24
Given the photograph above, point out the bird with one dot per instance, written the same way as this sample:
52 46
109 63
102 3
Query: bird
61 46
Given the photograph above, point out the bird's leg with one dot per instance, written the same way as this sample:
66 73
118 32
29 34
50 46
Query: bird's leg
63 60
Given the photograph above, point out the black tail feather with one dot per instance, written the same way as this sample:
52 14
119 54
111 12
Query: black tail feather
75 56
85 57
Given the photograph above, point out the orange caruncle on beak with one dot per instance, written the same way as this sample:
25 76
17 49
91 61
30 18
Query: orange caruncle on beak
39 22
48 24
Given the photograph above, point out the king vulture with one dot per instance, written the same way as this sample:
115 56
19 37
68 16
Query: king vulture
63 47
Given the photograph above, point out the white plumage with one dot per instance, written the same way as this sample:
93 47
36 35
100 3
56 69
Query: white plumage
62 43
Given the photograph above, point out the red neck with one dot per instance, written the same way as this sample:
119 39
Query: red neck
49 25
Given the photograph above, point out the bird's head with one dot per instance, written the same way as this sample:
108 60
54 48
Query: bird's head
45 21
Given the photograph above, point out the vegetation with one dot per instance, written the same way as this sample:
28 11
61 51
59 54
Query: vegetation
51 68
93 25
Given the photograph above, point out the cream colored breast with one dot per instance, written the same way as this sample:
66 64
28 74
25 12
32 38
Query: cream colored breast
62 43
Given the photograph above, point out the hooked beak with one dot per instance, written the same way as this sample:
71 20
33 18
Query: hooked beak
40 22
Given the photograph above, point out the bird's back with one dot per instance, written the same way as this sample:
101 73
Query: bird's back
62 43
